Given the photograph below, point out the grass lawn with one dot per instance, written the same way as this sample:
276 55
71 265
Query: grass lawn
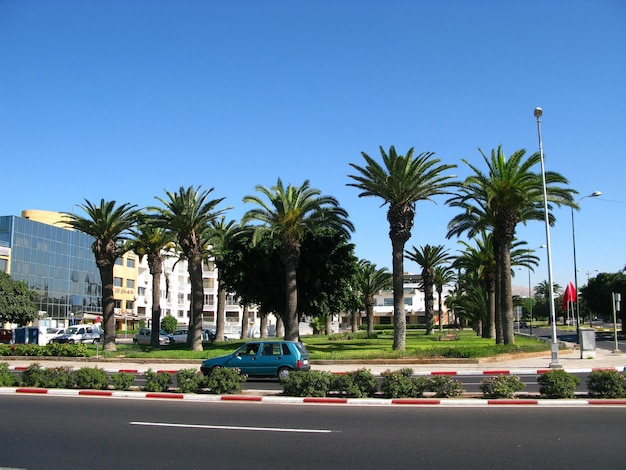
339 347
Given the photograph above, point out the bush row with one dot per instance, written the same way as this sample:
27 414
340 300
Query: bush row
34 350
221 381
402 384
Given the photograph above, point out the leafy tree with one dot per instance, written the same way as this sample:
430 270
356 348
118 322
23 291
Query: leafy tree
288 214
370 281
151 241
169 324
509 193
17 302
443 276
110 226
400 183
188 214
598 292
429 257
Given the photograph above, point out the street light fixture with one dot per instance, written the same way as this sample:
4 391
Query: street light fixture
593 194
554 345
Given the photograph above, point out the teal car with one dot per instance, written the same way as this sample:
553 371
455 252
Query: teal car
272 358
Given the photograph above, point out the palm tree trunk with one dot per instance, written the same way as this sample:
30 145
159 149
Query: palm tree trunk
329 323
290 316
220 317
244 322
263 327
440 309
155 272
399 320
507 295
354 320
428 293
108 306
194 338
370 318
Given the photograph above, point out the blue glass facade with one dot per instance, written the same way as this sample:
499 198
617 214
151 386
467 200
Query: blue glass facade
57 264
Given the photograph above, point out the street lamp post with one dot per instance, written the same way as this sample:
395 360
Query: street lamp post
555 345
594 194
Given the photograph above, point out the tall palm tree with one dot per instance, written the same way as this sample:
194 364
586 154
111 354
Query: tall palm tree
220 233
288 214
151 242
110 226
369 281
400 182
429 257
188 214
480 260
509 193
443 276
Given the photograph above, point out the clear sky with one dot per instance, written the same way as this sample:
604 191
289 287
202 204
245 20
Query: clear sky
123 100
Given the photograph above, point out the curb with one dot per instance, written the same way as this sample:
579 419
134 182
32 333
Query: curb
420 402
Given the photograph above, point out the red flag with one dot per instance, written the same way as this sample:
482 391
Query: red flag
569 295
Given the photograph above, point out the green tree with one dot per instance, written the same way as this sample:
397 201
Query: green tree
509 193
188 213
443 276
429 257
151 242
169 324
17 304
288 214
370 281
400 182
110 226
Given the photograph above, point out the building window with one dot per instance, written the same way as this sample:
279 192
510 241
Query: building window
130 263
209 283
130 283
117 282
181 297
181 313
408 301
141 291
129 305
388 301
118 261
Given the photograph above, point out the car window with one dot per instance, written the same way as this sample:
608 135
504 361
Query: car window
271 349
249 350
286 351
301 348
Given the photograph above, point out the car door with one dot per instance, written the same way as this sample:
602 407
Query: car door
269 360
246 359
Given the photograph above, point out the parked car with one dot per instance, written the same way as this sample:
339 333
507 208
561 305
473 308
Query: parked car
79 334
180 336
263 359
144 336
52 333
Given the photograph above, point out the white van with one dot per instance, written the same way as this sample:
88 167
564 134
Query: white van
80 334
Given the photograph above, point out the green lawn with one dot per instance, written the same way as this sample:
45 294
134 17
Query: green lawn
337 347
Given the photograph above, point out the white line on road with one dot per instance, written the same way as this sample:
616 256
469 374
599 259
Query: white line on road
229 428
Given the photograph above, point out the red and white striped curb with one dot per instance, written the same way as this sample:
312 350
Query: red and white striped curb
446 402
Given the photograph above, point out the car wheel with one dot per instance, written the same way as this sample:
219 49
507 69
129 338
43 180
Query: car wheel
134 340
282 373
71 341
214 368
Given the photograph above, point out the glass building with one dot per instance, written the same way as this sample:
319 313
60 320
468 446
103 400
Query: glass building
56 263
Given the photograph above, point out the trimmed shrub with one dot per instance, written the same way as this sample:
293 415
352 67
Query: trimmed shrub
34 376
557 384
189 381
314 383
606 384
445 387
355 384
501 386
7 378
89 378
34 350
58 377
122 380
223 381
169 324
157 381
399 384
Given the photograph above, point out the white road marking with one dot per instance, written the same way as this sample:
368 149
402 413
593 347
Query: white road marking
229 428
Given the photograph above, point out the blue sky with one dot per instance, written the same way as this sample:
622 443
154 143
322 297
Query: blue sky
123 100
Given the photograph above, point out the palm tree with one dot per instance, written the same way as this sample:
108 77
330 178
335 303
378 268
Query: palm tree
109 226
402 182
443 276
150 242
288 214
508 194
369 281
220 233
188 214
429 257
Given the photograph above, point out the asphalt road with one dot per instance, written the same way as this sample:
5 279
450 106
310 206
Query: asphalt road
43 432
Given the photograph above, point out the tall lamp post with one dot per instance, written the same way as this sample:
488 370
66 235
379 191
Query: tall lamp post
554 345
593 194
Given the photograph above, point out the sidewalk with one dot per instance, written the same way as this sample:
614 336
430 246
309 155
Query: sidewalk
530 364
